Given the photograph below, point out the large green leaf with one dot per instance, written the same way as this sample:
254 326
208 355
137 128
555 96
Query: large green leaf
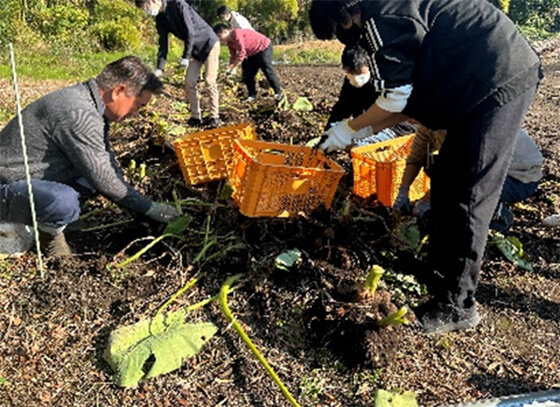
408 235
179 225
511 248
153 347
287 259
303 104
384 398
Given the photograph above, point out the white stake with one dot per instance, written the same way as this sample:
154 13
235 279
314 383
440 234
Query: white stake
26 163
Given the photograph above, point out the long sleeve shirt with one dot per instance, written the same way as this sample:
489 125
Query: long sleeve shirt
68 138
243 43
239 21
438 59
526 164
179 19
352 101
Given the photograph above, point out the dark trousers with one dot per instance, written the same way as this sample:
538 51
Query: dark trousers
251 65
517 191
466 183
56 205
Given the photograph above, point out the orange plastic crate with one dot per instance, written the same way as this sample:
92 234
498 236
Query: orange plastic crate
279 180
207 155
378 169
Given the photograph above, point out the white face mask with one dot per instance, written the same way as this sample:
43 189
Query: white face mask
359 80
152 11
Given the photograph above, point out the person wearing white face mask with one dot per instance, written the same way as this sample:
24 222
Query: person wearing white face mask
201 48
357 95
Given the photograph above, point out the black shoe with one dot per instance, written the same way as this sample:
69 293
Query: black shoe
214 123
502 220
192 122
437 317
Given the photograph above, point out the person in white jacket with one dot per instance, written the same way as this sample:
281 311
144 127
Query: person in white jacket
233 18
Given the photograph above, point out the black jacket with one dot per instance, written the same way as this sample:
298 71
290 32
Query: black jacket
352 101
179 19
455 53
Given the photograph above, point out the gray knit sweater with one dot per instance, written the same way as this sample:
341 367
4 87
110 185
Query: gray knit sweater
67 138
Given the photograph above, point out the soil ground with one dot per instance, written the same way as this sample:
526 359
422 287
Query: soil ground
326 349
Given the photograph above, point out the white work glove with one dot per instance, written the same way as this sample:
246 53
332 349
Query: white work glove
402 203
231 71
421 207
338 137
162 212
158 73
363 133
184 63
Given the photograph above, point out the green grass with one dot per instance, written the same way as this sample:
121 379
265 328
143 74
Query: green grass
43 64
536 34
301 56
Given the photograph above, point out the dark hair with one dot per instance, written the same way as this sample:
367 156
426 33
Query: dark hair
222 10
132 72
220 28
140 3
324 15
354 58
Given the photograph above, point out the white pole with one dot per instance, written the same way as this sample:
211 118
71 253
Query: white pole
26 163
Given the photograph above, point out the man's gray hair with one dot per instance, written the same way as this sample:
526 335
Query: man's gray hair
132 72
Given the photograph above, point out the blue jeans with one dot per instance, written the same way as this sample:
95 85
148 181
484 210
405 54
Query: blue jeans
517 191
56 205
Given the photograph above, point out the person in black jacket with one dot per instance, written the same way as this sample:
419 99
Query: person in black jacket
357 95
201 48
457 65
358 92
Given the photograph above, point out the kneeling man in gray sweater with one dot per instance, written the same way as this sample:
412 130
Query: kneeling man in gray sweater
69 153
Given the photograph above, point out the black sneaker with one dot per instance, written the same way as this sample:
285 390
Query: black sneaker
437 318
214 123
193 122
502 220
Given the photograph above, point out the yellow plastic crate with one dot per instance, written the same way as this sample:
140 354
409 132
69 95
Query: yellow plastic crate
279 180
207 155
378 169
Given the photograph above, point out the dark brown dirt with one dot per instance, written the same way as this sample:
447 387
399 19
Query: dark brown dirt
322 341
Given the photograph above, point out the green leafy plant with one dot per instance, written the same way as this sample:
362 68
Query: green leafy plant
245 338
398 318
159 345
119 34
302 104
174 230
511 248
407 234
286 260
373 278
151 348
312 386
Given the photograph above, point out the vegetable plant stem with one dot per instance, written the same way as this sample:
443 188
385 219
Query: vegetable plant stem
230 318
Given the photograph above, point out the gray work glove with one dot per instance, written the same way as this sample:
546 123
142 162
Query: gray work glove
402 203
158 73
163 213
184 63
421 207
